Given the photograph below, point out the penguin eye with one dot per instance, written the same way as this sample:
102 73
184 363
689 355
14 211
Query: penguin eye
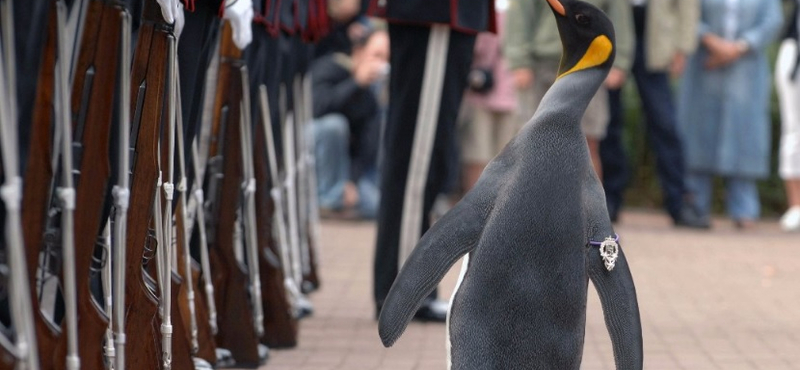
582 19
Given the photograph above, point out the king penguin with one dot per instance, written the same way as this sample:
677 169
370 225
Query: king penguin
529 230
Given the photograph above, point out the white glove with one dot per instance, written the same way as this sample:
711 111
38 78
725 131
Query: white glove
168 9
240 14
180 20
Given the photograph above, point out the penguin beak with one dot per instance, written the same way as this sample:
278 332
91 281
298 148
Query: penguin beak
557 7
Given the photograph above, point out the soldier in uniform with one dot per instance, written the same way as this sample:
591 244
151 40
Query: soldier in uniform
431 41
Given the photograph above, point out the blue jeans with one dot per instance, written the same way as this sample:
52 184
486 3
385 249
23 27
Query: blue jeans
741 195
331 149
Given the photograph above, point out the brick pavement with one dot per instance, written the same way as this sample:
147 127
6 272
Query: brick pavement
722 299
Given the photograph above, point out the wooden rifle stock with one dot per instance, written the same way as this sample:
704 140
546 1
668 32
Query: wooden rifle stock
235 316
181 345
8 361
193 309
38 177
142 326
280 323
205 339
177 353
92 109
311 277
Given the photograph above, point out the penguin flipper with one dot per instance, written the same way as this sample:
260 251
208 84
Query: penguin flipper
620 309
453 236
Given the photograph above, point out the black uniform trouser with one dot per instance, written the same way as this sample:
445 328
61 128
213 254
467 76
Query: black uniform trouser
264 67
408 53
30 30
195 50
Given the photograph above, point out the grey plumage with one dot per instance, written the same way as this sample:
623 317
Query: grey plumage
526 226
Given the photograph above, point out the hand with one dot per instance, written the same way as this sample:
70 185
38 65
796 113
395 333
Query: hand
168 9
240 14
678 64
615 79
712 42
726 53
369 71
180 21
523 78
722 52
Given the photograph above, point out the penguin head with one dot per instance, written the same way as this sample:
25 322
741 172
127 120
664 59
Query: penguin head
587 36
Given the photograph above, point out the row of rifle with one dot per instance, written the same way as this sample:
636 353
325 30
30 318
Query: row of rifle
129 244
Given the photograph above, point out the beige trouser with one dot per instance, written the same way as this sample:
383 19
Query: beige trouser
595 120
486 133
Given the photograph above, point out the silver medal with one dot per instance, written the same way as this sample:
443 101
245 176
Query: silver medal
609 249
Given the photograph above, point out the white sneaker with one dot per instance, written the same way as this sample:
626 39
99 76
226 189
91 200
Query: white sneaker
790 221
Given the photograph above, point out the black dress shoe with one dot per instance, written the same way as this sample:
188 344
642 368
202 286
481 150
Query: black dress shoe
613 213
433 311
689 217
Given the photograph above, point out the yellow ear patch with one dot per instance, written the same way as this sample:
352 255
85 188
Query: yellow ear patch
597 53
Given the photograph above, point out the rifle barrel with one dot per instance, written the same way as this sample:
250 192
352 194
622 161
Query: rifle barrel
121 191
67 191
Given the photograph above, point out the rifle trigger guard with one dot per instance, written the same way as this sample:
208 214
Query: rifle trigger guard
11 193
67 197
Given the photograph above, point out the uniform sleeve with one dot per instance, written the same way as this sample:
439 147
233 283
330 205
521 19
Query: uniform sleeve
621 14
518 34
331 90
768 27
688 24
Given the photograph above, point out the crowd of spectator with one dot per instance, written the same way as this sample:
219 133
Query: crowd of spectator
701 69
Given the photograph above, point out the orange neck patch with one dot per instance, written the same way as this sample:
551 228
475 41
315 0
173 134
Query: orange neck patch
597 53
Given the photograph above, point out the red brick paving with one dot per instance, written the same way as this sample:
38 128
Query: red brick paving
719 299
